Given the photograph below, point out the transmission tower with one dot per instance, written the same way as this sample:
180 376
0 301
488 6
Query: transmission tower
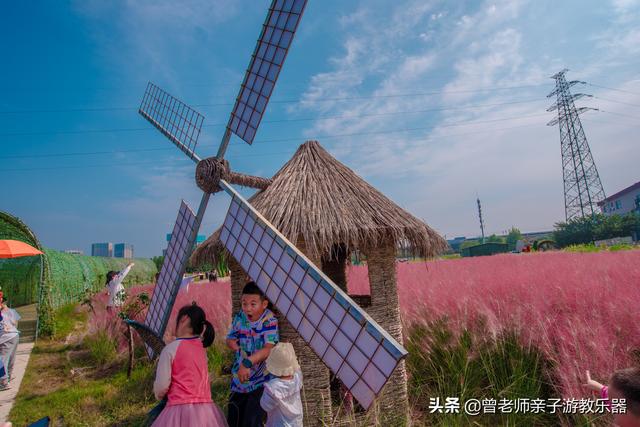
481 220
582 185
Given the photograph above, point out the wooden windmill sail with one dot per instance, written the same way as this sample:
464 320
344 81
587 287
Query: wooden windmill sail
349 341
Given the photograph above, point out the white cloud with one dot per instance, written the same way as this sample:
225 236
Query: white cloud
622 6
515 164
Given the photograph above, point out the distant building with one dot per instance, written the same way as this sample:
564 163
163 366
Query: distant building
102 249
123 250
74 252
623 202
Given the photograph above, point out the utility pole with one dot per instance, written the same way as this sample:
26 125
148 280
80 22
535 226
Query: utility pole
582 186
481 220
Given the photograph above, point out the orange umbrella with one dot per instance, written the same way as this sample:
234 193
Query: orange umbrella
15 249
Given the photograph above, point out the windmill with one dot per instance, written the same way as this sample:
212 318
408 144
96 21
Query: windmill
281 270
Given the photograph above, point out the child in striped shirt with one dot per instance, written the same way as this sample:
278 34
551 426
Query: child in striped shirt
254 332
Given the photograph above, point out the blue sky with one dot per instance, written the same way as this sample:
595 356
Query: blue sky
445 100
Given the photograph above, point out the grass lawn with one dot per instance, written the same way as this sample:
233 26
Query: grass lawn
64 381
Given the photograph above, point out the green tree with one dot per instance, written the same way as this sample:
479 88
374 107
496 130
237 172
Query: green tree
513 237
576 231
631 223
608 227
158 260
599 227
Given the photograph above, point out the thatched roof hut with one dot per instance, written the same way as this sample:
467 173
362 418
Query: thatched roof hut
319 199
327 210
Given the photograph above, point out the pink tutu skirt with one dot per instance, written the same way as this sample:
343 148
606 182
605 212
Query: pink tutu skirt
191 414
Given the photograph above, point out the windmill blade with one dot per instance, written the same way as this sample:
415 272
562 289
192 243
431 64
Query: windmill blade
150 338
266 62
180 247
175 119
358 350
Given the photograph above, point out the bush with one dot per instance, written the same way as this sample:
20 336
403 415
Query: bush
102 347
473 365
584 248
513 237
587 248
621 247
598 227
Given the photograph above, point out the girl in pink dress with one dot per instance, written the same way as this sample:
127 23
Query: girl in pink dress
182 375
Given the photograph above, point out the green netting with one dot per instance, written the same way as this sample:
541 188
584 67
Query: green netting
26 279
19 277
66 277
72 275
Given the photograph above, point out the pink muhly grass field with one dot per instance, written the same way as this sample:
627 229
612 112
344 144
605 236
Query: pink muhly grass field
213 297
581 310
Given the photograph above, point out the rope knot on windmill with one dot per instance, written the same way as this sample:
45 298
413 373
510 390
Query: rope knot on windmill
210 171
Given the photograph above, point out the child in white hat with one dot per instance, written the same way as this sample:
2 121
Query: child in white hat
281 397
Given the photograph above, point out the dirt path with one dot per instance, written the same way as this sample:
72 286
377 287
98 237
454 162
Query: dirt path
27 327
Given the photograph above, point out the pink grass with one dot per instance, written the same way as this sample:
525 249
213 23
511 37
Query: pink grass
213 297
581 310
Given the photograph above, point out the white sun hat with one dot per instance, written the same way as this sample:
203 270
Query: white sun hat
282 360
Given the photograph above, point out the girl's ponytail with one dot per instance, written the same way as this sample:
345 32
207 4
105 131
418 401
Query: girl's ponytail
199 323
209 334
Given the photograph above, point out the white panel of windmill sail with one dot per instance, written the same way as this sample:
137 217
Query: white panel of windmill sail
175 119
348 341
170 277
266 62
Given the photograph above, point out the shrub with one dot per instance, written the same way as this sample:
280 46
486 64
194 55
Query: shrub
102 347
473 365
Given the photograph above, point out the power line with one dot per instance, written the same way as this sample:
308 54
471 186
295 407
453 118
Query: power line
403 130
335 136
612 88
320 137
215 86
83 153
111 165
617 102
83 166
619 114
77 132
349 116
345 116
135 150
238 156
284 101
252 155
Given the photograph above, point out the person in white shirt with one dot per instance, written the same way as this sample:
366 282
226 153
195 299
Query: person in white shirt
281 397
115 288
9 336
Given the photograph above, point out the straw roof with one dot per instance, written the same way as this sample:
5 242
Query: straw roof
316 197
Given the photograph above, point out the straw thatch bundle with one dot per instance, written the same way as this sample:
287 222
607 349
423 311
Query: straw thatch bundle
318 199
